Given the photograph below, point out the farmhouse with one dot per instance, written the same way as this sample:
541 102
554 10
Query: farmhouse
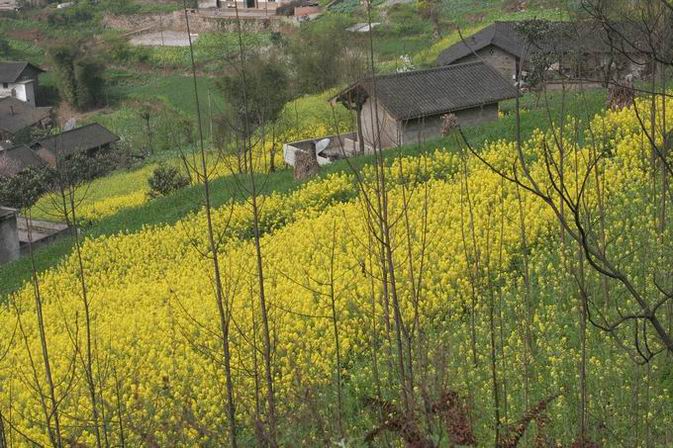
19 80
408 107
573 51
88 139
17 116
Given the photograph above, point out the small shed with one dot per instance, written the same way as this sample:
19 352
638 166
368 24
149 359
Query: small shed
88 139
408 107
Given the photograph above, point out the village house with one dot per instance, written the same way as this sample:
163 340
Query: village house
575 52
17 116
19 80
408 107
89 139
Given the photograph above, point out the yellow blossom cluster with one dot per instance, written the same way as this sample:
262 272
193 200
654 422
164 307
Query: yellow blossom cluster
464 242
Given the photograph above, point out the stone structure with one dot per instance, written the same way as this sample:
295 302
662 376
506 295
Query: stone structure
406 108
9 236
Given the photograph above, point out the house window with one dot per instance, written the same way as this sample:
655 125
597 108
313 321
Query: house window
5 85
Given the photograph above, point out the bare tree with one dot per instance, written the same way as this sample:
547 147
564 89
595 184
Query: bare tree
223 301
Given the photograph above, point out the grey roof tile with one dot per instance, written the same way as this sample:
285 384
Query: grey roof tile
16 115
435 91
80 139
11 71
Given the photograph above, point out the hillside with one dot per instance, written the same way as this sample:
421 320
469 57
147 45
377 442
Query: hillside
504 284
152 301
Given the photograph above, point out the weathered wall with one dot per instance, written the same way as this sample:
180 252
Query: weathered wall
24 91
422 129
502 61
9 236
386 134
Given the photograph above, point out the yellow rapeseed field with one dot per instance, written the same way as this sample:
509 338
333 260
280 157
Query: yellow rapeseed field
157 341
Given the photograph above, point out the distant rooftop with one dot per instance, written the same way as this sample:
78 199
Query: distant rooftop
583 36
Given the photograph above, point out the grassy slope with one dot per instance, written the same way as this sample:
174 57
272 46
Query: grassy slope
170 209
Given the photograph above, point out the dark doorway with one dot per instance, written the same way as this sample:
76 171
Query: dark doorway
250 3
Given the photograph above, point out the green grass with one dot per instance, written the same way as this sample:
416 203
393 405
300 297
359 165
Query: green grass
169 210
177 90
211 51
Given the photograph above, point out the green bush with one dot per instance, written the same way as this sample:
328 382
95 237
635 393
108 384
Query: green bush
165 180
79 76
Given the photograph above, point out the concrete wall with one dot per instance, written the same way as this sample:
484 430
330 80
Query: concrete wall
502 61
7 89
422 129
388 132
9 236
24 88
24 91
394 133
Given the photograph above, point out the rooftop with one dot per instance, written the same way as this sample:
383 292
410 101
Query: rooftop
21 158
586 37
434 91
16 115
83 138
11 71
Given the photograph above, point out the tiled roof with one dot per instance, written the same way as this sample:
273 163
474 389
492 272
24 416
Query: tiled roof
16 115
80 139
11 71
435 91
21 158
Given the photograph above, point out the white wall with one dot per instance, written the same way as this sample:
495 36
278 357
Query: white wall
24 91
